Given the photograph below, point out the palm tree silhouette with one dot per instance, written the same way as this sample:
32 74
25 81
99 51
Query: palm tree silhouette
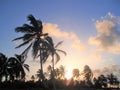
15 68
34 36
87 72
21 66
3 60
76 74
54 53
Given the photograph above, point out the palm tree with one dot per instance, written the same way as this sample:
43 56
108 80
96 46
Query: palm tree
21 66
76 74
3 60
62 72
15 68
34 36
39 74
55 54
87 72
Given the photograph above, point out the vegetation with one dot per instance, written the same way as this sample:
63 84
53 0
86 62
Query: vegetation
12 69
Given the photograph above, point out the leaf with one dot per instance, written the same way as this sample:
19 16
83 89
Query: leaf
17 38
28 37
57 57
26 67
58 44
62 51
25 29
24 43
49 40
24 53
32 20
36 47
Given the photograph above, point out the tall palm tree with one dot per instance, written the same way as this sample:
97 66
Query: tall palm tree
34 36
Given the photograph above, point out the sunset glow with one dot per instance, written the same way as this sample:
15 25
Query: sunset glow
90 31
68 74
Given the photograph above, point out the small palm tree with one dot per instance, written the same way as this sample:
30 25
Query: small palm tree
21 66
87 72
16 69
3 60
34 36
55 54
62 71
76 74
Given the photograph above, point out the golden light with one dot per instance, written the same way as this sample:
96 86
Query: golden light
68 74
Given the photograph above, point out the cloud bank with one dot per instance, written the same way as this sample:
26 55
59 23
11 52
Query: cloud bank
108 34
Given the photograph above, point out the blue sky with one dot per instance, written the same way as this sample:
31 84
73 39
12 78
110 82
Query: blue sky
75 19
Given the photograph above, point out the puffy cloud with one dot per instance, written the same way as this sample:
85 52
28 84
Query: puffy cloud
71 38
54 31
108 34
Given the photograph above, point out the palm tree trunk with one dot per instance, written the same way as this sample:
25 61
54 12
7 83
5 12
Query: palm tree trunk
53 62
41 66
53 77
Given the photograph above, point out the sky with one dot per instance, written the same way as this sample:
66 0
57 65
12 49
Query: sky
89 29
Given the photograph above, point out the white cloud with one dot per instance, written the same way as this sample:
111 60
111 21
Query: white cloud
108 34
70 38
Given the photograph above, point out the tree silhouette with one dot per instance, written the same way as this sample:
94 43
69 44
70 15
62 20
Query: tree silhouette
34 36
54 53
21 66
3 60
87 72
15 68
76 74
113 81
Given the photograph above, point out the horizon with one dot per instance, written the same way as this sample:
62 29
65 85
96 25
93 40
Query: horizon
90 31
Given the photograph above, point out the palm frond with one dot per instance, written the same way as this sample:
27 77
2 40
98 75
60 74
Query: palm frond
24 43
25 29
22 73
28 36
18 38
62 51
58 44
28 28
36 46
49 40
18 57
25 52
57 57
27 67
32 20
46 54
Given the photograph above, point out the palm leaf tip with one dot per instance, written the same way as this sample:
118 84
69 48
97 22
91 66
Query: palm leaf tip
30 16
58 44
17 39
62 51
